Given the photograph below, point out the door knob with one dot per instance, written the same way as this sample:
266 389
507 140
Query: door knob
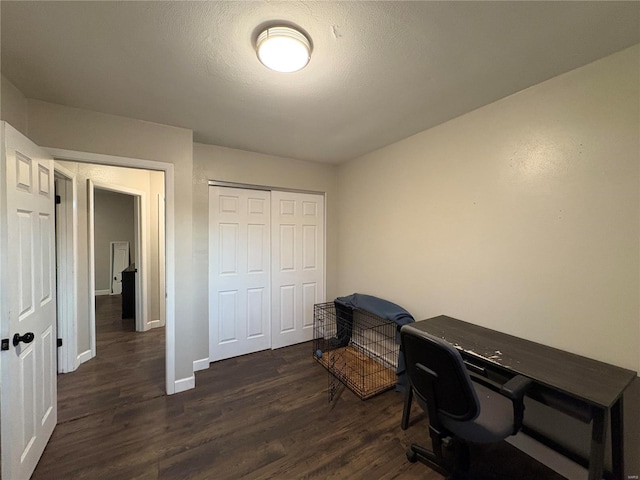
26 338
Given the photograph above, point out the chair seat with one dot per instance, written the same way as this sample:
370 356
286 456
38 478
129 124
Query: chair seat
493 424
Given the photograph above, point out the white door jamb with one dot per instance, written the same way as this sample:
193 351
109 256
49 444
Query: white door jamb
67 288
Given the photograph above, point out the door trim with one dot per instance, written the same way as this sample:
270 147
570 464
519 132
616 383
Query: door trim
67 290
169 178
250 186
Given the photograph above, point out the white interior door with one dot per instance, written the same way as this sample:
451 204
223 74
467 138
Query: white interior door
297 265
119 261
239 266
28 290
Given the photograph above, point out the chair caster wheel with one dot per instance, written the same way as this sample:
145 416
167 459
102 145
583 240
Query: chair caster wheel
412 456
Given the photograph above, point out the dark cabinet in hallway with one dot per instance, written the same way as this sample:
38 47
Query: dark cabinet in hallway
129 291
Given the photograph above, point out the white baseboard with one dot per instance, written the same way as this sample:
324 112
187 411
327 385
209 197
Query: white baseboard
83 357
185 384
153 324
103 292
201 364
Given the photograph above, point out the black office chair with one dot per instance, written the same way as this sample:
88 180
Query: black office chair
459 411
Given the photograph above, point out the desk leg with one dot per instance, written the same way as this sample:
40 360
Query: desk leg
598 435
617 439
406 411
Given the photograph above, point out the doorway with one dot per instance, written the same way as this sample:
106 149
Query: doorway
110 214
162 293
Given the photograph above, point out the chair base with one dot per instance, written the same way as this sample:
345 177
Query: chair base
456 471
416 452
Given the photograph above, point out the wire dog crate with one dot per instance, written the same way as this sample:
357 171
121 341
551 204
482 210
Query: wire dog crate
358 349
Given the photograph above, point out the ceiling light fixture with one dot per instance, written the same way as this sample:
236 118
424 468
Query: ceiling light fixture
283 49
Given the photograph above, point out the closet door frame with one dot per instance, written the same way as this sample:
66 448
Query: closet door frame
321 295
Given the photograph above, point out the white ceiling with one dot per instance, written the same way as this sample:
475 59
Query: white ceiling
379 72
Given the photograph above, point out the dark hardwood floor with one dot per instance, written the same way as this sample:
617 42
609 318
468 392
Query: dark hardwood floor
260 416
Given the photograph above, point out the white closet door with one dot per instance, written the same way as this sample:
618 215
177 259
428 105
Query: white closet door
297 275
239 272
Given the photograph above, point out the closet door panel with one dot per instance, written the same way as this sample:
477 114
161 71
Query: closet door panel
239 272
298 265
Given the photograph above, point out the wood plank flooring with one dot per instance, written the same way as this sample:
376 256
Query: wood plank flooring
260 416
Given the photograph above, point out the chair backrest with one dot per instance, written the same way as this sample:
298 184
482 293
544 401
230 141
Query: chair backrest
433 361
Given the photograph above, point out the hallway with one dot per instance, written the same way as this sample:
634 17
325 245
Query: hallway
128 371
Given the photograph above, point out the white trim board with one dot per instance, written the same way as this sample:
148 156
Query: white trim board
102 292
169 179
83 357
267 188
201 364
67 276
161 259
185 384
92 268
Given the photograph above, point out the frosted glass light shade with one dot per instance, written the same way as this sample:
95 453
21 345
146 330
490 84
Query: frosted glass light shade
283 49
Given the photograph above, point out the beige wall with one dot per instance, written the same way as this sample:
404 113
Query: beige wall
229 165
13 106
522 216
58 126
113 222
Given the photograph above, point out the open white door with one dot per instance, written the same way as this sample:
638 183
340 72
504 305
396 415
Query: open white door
297 278
239 300
27 273
119 261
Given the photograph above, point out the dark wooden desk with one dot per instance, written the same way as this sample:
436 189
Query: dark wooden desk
582 387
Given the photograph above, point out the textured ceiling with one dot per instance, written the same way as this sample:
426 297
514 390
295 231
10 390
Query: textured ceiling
379 72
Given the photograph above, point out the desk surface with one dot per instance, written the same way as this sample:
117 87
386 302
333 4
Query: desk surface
595 382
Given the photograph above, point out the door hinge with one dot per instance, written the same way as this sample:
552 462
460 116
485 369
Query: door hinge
59 342
5 344
58 200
